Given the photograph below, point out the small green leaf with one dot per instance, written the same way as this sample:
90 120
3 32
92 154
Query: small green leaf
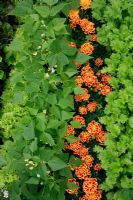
76 124
56 9
72 186
72 139
1 74
33 146
56 164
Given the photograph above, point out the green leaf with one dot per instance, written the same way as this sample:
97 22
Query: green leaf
56 164
71 70
50 2
22 8
16 45
47 138
29 132
75 162
62 60
43 10
78 90
53 123
72 139
33 181
66 115
82 58
131 122
1 74
56 9
52 99
52 60
76 124
72 186
33 146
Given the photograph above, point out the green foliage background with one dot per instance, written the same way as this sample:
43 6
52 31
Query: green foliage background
116 34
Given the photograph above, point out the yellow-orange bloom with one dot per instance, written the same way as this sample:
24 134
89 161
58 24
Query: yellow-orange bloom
88 160
74 18
106 78
99 62
97 167
82 97
87 26
79 80
82 171
83 110
72 44
85 4
84 136
70 131
92 106
80 119
93 38
87 48
105 90
94 128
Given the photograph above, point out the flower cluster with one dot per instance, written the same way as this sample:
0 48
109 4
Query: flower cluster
93 82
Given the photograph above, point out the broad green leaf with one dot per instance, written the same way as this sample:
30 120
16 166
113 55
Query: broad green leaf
75 162
33 181
50 2
76 124
56 164
62 60
43 10
53 123
16 45
66 115
47 138
82 58
29 132
56 9
78 90
72 139
33 146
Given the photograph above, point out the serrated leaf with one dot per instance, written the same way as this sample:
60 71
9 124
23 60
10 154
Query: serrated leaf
50 2
56 9
78 90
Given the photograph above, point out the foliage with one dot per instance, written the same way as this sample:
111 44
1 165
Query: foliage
38 103
116 35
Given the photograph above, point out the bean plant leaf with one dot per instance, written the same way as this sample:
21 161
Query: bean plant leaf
56 164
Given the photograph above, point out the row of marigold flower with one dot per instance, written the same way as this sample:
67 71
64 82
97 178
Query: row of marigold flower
89 81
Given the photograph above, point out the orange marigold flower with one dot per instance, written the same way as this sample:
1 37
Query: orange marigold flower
94 196
79 80
94 128
85 4
75 146
82 97
99 62
97 167
98 86
100 137
105 90
99 73
90 185
82 171
73 191
93 38
70 131
90 80
106 78
83 151
92 106
82 198
87 26
71 167
72 44
88 160
83 110
87 48
86 70
74 18
79 119
84 136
